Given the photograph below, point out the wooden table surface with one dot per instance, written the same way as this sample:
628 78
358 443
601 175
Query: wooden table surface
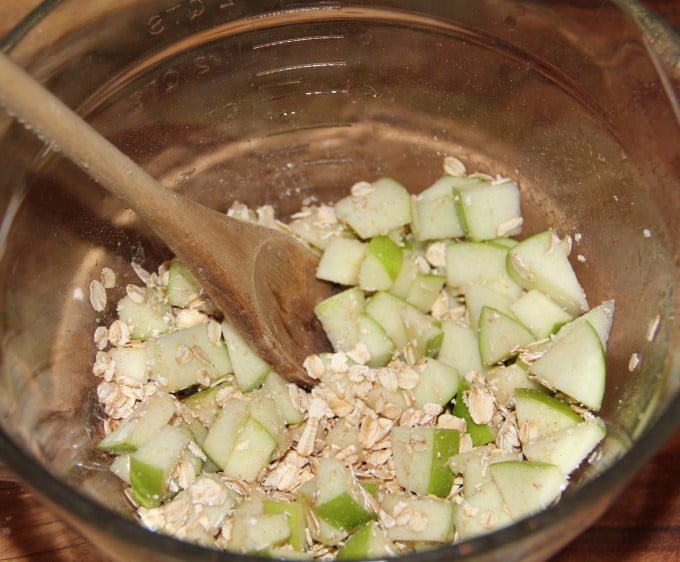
642 526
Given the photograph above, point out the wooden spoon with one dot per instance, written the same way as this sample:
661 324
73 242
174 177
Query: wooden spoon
262 280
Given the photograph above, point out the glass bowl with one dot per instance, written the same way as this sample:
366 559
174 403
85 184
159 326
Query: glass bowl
275 101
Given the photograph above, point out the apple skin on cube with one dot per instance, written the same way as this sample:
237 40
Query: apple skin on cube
481 434
339 499
542 414
421 458
368 541
575 365
295 512
540 262
527 487
381 265
380 209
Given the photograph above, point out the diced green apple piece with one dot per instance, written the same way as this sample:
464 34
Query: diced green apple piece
479 263
600 317
183 287
144 422
434 210
527 487
567 447
130 363
251 453
500 336
249 368
256 533
539 313
175 359
379 209
341 261
339 499
505 379
437 384
541 262
339 317
146 319
489 210
420 458
381 265
224 432
539 414
380 347
153 463
407 276
367 542
575 365
203 405
295 512
120 466
478 296
425 290
279 390
460 348
434 515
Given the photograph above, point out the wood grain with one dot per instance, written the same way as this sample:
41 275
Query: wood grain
642 526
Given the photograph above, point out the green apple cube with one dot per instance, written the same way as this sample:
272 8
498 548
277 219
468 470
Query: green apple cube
421 458
339 317
377 209
386 309
473 465
505 379
401 287
130 363
425 290
224 432
381 265
146 319
482 511
567 447
539 414
295 512
599 317
500 336
279 389
539 313
479 263
120 466
504 242
251 453
256 533
433 518
262 408
339 499
481 434
144 422
489 210
183 287
202 405
249 368
541 262
341 261
153 463
434 210
527 487
460 348
478 296
176 359
575 365
367 542
438 383
424 332
380 347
